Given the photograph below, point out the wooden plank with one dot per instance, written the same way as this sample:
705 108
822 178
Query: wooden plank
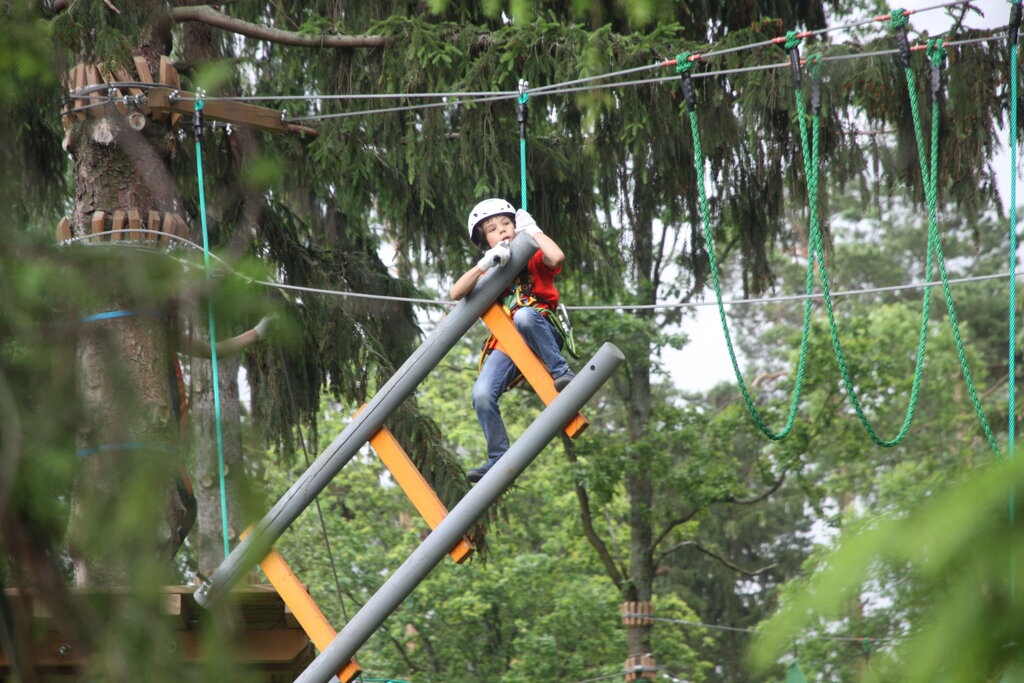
532 367
269 647
64 229
235 113
415 485
168 227
108 77
266 648
181 227
123 76
168 74
99 223
142 67
260 644
69 84
92 77
169 77
117 225
146 76
153 224
79 83
134 223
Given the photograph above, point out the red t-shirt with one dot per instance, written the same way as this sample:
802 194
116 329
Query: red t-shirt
534 286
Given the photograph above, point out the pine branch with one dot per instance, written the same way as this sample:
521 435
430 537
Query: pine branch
720 558
212 17
587 517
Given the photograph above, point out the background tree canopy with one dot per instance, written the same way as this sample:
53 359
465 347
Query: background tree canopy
671 498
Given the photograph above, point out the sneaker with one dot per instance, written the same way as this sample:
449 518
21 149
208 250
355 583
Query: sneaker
476 474
563 381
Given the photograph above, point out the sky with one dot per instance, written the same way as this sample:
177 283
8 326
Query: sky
704 362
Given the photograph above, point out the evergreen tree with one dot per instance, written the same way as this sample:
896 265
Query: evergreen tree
604 176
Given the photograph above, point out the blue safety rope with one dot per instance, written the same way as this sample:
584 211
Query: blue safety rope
213 333
126 446
524 96
1011 428
110 315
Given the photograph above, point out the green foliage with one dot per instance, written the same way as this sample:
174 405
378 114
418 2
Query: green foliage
24 58
958 549
689 504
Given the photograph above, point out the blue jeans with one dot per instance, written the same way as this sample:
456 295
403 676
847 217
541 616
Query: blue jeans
499 371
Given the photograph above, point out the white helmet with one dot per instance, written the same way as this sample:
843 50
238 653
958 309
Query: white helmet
484 210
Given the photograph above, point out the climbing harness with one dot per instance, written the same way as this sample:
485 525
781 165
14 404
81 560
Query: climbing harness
521 295
564 326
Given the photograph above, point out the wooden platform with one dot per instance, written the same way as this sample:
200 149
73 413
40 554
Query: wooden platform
268 641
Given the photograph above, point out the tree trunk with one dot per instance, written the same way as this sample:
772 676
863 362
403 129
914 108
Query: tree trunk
126 505
208 537
640 491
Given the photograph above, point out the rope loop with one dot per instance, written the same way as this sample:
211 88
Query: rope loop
898 19
936 51
793 46
684 63
937 55
814 62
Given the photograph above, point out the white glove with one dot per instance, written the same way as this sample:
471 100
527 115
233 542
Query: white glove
497 255
525 223
263 326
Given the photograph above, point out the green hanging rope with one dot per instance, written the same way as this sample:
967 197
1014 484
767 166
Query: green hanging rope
811 164
213 333
929 175
811 158
683 67
937 55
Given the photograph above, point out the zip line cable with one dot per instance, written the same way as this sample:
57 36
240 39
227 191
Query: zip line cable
588 79
490 96
473 97
597 307
740 629
571 87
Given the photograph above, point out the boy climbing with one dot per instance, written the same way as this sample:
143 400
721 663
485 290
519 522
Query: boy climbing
531 300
